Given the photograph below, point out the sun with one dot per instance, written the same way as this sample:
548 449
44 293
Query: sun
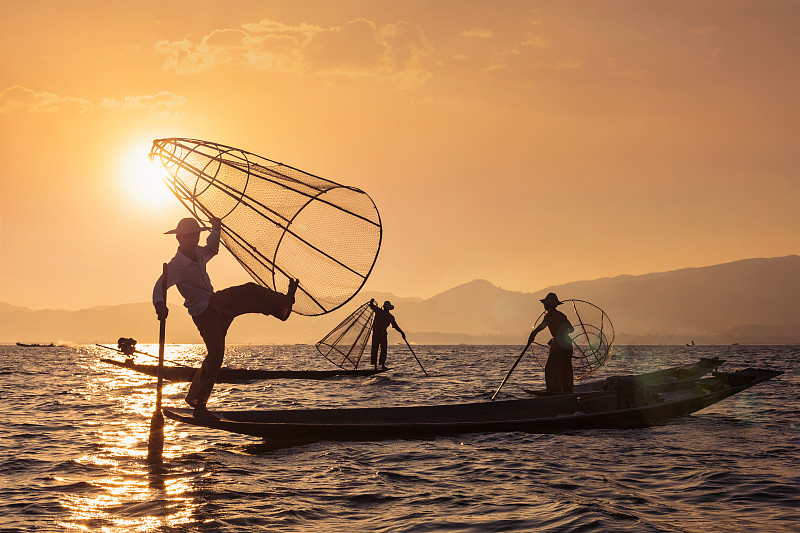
143 180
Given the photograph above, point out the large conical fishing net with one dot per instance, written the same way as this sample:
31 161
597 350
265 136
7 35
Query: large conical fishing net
279 222
345 344
592 340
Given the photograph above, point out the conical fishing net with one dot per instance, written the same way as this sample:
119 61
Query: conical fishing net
592 340
279 222
345 344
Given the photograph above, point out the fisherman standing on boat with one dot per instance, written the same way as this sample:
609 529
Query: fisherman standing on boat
558 369
380 325
212 312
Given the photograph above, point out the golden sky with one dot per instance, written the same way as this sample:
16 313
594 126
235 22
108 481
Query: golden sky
528 143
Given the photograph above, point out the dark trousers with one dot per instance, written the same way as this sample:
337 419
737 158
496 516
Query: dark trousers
213 324
558 370
379 342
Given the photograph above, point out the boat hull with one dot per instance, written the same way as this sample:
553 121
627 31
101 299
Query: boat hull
591 410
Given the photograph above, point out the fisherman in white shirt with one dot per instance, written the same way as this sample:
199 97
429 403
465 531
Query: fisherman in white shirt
211 311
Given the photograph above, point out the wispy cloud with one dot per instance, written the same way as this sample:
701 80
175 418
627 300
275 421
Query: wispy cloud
358 48
537 40
164 103
478 32
707 29
713 54
21 99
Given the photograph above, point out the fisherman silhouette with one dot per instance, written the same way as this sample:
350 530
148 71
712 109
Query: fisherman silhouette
212 312
380 325
126 345
558 369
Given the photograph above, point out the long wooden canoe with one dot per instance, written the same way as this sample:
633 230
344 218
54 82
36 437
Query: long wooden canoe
659 377
618 407
236 375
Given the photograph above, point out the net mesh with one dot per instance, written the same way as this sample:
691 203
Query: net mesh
279 222
345 344
592 340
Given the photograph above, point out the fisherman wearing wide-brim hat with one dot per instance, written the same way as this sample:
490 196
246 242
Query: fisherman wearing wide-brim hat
212 312
380 325
558 369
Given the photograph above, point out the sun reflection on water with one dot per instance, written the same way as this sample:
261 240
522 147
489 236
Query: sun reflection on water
127 494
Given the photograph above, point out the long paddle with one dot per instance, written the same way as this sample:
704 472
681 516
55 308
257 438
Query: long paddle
510 371
514 366
415 356
155 445
144 353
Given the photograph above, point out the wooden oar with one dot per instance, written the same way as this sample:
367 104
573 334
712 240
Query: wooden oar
510 371
144 353
513 367
415 356
155 445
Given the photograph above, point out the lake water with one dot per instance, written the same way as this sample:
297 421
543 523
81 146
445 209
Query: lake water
73 444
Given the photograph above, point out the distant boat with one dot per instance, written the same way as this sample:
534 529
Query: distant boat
691 344
51 345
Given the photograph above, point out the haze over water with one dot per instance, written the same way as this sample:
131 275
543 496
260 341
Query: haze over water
74 442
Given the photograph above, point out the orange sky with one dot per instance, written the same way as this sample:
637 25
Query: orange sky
527 143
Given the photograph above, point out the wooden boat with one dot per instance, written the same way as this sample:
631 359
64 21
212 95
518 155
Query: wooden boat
623 405
667 375
236 375
51 345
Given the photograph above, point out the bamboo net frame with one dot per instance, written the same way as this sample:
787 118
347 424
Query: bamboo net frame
279 222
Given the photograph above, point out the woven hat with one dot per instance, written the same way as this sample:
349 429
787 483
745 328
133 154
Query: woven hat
551 300
186 225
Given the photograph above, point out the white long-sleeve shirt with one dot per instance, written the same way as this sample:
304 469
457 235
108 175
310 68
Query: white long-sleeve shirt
191 277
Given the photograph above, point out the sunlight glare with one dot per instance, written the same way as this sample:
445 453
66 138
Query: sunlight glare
143 180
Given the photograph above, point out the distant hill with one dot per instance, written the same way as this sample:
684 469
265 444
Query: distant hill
754 301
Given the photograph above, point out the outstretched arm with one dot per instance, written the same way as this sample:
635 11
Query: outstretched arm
537 329
212 241
395 326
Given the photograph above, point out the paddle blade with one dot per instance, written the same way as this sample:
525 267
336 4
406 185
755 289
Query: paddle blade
155 442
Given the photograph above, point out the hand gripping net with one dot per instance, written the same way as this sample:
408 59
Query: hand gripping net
345 344
592 340
279 222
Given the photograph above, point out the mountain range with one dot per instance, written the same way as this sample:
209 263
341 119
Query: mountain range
752 301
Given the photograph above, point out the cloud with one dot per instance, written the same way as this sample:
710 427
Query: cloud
570 64
478 32
24 100
708 29
537 40
358 48
163 103
713 54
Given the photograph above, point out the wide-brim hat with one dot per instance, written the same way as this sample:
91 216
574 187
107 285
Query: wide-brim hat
551 300
388 305
187 225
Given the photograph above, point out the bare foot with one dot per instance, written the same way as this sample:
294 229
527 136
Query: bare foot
286 310
293 284
201 412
